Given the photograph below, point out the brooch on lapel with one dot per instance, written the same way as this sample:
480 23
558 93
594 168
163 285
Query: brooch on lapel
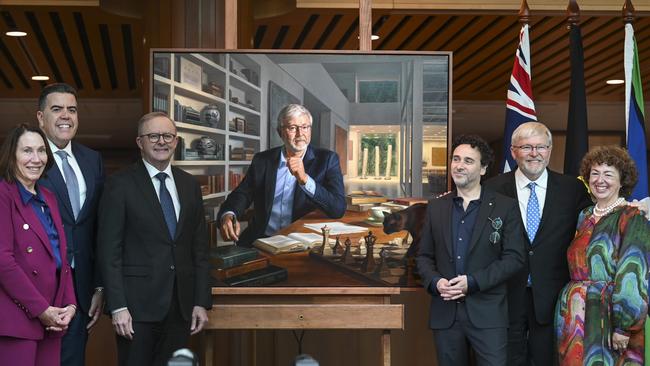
495 236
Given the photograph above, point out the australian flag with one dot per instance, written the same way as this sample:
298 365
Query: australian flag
520 107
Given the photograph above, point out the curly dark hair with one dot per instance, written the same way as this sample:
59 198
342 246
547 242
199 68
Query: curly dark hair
616 157
475 141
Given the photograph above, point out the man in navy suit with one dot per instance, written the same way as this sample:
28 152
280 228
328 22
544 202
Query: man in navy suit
285 183
76 179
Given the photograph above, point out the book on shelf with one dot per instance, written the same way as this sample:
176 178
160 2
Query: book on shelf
265 276
234 179
294 242
357 197
253 265
410 201
231 255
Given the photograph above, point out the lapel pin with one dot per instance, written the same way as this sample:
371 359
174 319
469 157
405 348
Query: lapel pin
25 226
30 249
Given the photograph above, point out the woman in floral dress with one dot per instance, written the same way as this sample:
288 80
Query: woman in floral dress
601 312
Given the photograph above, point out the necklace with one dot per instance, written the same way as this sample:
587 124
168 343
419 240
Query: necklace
604 211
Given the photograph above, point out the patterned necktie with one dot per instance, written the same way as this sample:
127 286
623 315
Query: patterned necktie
71 183
167 205
532 213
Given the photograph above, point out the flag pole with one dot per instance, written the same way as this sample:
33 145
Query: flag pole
524 13
628 18
577 143
520 107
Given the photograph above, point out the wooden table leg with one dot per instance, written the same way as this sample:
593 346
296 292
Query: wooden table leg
385 348
209 347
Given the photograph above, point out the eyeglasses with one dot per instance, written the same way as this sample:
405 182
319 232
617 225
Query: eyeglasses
155 137
529 148
295 128
495 236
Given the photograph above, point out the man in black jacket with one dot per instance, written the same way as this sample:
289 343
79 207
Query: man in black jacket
285 183
532 293
472 242
153 250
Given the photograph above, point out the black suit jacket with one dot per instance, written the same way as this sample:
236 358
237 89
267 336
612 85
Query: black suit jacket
258 187
546 261
490 264
138 259
80 233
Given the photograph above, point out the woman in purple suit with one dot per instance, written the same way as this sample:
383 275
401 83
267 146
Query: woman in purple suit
37 299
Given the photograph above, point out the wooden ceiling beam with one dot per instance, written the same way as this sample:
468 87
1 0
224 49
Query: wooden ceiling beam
473 6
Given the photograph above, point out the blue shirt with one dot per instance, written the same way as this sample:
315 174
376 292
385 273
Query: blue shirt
44 215
285 185
462 226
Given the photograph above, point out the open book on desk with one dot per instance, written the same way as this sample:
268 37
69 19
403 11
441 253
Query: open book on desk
294 242
337 228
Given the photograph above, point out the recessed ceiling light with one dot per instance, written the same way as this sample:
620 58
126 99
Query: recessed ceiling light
373 37
16 34
615 81
40 77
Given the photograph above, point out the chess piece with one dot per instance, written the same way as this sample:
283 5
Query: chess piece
326 239
337 249
382 269
347 255
369 264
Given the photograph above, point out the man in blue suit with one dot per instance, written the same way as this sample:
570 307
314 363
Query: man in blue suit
285 183
77 180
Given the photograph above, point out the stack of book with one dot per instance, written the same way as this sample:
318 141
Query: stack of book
409 201
364 200
242 153
240 266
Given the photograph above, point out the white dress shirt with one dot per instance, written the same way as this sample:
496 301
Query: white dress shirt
523 191
75 167
169 183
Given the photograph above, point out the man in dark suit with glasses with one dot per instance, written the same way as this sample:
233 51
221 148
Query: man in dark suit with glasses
153 250
285 183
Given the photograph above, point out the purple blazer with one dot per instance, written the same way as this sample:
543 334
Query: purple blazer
28 280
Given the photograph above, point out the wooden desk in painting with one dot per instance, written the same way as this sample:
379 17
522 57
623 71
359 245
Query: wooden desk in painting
316 295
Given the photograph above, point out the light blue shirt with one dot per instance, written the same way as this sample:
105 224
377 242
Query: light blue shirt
285 184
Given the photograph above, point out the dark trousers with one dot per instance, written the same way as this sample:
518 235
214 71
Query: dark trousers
529 342
73 345
489 344
154 342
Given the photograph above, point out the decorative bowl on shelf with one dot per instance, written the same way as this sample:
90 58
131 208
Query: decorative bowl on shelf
211 115
205 145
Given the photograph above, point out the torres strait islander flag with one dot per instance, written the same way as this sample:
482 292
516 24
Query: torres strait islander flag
635 130
520 107
634 114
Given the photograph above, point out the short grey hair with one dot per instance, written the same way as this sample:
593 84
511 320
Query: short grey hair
530 129
148 117
291 111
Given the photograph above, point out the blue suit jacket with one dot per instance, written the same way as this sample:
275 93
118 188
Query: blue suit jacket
258 187
80 233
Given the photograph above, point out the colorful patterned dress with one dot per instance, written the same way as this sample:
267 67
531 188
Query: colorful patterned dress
608 291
